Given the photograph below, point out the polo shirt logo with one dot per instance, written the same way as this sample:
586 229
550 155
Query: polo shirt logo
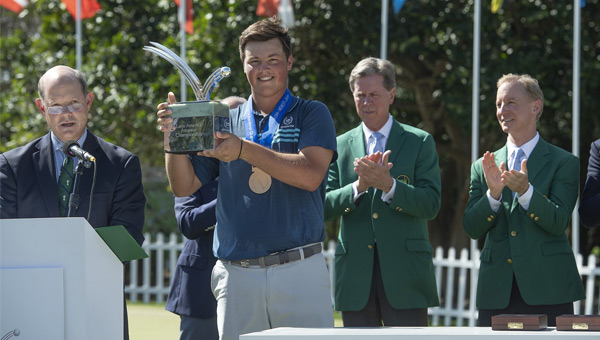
287 121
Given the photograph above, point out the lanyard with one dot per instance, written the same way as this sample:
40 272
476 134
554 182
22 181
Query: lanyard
274 119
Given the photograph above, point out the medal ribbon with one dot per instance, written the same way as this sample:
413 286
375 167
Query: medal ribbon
274 119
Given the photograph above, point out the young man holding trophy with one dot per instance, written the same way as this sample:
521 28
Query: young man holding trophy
271 168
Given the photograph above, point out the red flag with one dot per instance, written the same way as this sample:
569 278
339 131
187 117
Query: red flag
267 8
88 8
14 5
189 18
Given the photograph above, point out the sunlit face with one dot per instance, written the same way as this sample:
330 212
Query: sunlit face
372 101
516 111
266 68
65 92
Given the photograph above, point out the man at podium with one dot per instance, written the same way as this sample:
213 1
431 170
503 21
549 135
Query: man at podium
36 180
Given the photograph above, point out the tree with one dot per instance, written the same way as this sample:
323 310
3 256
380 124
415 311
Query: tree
430 42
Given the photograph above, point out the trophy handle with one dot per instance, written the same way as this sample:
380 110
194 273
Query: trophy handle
213 80
201 92
180 64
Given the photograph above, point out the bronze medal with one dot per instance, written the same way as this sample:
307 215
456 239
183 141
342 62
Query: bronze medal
260 181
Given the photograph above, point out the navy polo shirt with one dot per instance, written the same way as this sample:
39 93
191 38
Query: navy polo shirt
251 225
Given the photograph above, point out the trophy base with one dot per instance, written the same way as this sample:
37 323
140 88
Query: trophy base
184 152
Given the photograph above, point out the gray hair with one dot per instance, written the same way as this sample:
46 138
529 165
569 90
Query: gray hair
531 86
374 66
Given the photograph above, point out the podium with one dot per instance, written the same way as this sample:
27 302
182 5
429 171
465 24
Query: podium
58 280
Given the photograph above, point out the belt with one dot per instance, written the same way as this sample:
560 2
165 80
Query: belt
281 257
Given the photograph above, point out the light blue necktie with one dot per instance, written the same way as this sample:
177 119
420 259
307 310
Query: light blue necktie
377 143
520 155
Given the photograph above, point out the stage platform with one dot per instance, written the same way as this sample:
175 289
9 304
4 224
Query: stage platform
414 333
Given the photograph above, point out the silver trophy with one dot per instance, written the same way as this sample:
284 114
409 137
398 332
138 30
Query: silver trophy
195 122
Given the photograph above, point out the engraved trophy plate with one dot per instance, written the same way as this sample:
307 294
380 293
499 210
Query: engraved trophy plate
195 122
194 125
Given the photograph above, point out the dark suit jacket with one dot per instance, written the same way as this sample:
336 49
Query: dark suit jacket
400 228
531 245
28 187
191 294
589 209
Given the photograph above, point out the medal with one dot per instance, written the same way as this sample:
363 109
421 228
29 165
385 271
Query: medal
260 181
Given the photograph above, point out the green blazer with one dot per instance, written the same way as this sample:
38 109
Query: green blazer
400 228
531 245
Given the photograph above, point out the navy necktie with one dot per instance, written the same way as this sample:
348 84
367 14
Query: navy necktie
65 186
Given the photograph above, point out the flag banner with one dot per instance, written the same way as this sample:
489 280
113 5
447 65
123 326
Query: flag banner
496 5
14 5
267 8
286 13
88 8
398 5
189 17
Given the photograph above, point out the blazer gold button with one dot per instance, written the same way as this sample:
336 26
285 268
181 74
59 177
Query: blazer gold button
489 219
513 233
375 215
536 218
399 209
370 246
532 215
509 261
492 217
347 210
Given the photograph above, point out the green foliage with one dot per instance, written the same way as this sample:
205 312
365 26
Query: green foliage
430 42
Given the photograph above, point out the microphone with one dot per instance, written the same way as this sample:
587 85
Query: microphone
71 148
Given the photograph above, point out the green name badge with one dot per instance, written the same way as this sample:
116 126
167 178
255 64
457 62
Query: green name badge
194 125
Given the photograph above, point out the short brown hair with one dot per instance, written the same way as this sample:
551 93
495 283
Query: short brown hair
264 30
374 66
531 86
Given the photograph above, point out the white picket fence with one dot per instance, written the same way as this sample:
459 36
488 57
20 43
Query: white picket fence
149 279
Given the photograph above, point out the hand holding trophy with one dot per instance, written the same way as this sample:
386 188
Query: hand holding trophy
195 122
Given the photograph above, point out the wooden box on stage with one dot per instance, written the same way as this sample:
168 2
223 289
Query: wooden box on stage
519 322
570 322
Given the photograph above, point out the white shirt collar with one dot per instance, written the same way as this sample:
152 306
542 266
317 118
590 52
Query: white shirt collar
527 147
385 129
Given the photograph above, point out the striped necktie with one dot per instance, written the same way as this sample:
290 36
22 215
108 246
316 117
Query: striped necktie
65 185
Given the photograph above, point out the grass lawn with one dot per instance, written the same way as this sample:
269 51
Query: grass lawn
153 322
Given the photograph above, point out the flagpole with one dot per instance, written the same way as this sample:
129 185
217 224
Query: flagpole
78 34
576 94
475 143
182 51
384 28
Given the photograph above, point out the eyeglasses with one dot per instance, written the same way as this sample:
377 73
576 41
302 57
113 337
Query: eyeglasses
58 109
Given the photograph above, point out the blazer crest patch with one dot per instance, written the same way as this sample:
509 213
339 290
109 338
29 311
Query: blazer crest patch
404 179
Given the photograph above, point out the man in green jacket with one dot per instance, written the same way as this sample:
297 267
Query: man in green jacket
521 199
385 185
